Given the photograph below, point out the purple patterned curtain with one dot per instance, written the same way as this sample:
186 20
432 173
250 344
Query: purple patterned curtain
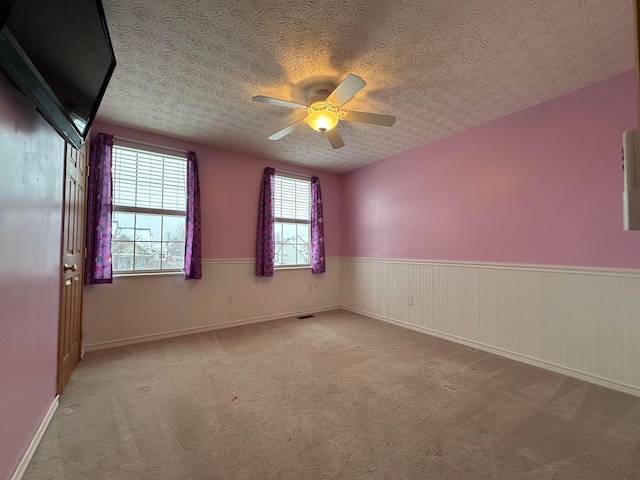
265 241
97 262
317 228
192 247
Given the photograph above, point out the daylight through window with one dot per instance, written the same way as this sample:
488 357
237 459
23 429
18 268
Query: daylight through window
149 210
292 211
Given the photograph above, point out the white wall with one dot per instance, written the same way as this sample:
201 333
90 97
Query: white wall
147 307
581 321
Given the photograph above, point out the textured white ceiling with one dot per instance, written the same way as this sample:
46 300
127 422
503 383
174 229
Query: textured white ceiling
188 68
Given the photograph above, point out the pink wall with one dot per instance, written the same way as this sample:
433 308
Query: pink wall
230 189
31 180
543 186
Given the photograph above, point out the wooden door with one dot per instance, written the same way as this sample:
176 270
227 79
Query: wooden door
72 262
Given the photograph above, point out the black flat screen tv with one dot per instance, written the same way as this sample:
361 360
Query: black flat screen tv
58 53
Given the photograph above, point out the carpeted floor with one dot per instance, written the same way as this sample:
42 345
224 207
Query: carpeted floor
337 396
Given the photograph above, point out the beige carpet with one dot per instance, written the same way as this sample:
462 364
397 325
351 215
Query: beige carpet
338 396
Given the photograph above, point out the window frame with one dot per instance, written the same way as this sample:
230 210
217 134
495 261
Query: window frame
115 208
296 221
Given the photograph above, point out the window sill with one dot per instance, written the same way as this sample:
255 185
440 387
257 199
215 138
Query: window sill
172 273
292 267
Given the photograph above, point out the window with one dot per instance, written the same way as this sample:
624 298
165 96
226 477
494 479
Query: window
292 211
149 210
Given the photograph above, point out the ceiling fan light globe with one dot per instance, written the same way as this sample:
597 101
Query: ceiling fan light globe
322 121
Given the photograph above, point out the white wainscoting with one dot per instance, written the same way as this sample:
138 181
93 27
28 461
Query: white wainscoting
139 308
580 321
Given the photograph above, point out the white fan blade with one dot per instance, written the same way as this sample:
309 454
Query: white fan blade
278 102
334 138
372 118
286 130
351 85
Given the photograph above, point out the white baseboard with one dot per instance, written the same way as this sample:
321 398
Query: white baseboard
35 441
208 328
603 382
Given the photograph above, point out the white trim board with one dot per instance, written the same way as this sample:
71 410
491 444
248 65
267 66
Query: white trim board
35 441
596 380
208 328
575 270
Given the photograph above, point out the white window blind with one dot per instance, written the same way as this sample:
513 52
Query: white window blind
292 212
292 199
146 180
149 210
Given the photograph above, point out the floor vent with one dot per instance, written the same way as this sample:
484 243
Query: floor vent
305 316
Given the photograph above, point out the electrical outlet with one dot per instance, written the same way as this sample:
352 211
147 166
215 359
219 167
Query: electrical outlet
409 299
229 297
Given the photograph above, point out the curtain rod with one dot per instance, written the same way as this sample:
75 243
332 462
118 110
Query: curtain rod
148 144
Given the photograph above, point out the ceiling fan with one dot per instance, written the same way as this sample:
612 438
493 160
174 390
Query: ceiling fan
323 112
